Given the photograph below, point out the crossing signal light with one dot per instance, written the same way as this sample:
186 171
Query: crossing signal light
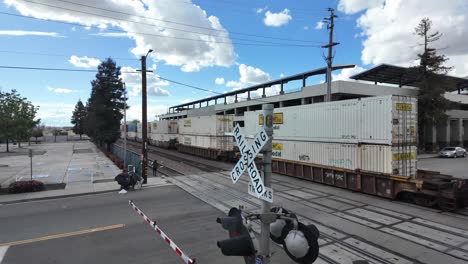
299 241
240 242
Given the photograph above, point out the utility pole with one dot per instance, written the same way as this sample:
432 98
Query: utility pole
266 218
125 126
329 59
144 169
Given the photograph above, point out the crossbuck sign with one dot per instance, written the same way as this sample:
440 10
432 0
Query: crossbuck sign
247 160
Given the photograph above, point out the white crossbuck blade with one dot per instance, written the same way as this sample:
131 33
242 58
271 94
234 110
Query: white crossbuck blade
247 160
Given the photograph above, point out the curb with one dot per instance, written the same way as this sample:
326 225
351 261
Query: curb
68 195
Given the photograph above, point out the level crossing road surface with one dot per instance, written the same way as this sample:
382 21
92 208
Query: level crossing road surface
103 228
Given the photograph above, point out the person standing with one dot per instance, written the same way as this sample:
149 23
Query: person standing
155 166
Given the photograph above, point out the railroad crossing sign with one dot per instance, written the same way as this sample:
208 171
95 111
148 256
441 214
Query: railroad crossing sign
247 160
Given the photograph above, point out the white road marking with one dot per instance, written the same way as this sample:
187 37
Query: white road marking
332 203
415 239
376 217
316 206
388 212
357 220
431 233
458 231
341 255
348 201
3 251
392 258
287 196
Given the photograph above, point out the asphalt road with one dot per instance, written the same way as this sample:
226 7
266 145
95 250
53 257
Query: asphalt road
457 167
185 219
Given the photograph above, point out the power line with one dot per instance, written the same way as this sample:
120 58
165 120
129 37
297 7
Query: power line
162 20
55 54
164 36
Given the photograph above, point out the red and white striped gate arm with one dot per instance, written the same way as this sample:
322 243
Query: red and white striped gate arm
163 236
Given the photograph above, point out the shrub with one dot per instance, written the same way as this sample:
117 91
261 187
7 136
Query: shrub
25 186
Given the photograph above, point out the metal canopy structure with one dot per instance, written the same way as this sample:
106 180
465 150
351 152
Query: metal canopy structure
301 76
391 74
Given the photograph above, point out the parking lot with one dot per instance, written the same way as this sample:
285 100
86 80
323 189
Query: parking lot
457 167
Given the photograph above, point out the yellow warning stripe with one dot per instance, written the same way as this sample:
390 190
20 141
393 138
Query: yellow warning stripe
76 233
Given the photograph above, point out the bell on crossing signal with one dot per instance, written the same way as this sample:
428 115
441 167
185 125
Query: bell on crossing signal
301 244
281 227
240 242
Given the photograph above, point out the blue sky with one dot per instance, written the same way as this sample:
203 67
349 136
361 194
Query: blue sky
370 32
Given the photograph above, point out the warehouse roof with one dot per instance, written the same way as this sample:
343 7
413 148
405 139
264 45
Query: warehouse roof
281 81
386 73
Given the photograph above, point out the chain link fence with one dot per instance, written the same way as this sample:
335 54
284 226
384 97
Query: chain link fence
133 158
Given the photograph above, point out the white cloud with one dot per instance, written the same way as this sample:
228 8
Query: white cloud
219 81
204 50
188 100
306 27
134 112
388 30
55 114
261 10
346 73
84 62
111 34
60 90
281 75
250 76
153 82
277 19
354 6
28 33
319 25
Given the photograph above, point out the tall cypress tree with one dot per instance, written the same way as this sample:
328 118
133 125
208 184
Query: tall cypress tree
432 104
105 105
78 118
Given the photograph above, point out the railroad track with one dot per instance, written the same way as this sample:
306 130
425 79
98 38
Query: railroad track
179 158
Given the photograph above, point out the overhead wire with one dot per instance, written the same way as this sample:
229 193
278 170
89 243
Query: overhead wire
162 20
163 36
131 72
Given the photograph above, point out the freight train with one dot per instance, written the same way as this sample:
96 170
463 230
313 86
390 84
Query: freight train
366 145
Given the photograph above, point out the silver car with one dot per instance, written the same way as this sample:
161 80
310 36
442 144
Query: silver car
452 152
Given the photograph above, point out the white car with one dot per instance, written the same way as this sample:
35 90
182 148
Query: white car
452 152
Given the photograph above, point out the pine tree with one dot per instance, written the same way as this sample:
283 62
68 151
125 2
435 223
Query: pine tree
78 118
105 105
432 104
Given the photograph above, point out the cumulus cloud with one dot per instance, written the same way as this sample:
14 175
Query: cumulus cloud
28 33
60 90
134 112
153 83
111 34
319 25
213 47
219 81
306 27
84 62
277 19
354 6
261 10
387 28
346 73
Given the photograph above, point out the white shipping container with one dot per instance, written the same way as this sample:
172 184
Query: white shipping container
164 127
131 134
215 125
374 120
345 156
389 160
212 142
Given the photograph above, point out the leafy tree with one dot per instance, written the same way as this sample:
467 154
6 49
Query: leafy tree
16 117
432 104
135 121
105 104
78 118
38 131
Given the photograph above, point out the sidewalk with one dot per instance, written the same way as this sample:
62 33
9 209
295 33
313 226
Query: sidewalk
80 165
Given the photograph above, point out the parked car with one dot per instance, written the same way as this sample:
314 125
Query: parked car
452 152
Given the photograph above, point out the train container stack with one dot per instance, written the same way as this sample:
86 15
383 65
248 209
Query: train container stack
132 131
205 136
376 134
164 133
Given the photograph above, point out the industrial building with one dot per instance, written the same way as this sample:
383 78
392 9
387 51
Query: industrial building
381 80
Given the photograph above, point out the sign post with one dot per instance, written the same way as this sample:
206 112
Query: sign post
265 220
30 154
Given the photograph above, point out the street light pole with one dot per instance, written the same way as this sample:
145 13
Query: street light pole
125 126
144 168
